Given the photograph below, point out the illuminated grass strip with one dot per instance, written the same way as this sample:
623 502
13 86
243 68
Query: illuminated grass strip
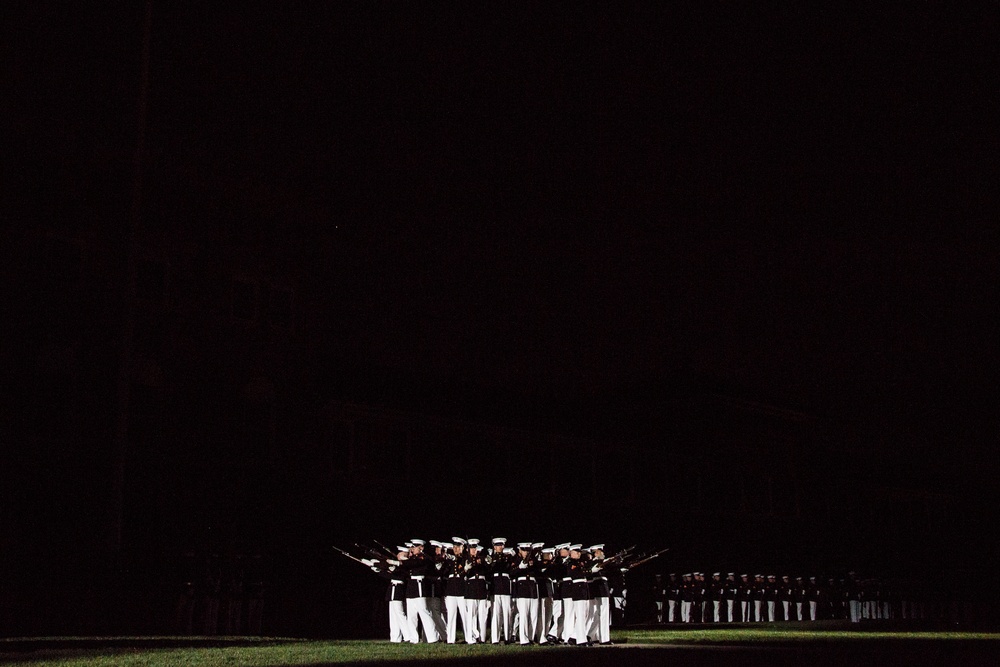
143 651
299 653
753 636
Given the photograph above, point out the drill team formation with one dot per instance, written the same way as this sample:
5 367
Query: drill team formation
501 595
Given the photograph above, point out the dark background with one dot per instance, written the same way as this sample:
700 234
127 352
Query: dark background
670 244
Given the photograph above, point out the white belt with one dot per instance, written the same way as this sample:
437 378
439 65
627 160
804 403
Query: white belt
525 579
418 577
579 581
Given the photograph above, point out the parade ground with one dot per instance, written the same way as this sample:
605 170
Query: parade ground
702 647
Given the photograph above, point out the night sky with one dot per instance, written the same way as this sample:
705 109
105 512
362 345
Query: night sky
583 221
786 203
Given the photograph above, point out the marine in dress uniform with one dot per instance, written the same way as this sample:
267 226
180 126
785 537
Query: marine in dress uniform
566 588
835 599
477 603
714 595
673 598
500 564
786 592
581 595
561 592
729 595
700 598
453 574
799 597
852 593
619 594
687 597
546 591
744 595
525 570
600 593
814 593
436 601
771 597
659 596
395 595
419 590
759 597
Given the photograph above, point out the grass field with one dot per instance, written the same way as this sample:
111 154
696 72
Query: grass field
633 648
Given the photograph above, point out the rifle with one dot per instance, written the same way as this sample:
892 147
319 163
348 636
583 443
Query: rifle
365 562
610 560
621 554
379 561
385 548
646 559
372 553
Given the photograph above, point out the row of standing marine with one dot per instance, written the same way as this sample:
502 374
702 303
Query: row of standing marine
220 594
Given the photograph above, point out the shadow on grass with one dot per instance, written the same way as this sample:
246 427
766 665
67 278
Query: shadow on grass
157 651
29 644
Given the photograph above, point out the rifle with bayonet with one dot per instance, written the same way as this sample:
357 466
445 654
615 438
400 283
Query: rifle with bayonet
392 554
367 562
624 553
645 558
372 553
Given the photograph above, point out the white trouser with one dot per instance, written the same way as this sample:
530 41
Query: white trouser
602 619
477 613
555 626
581 611
813 607
501 619
758 612
685 611
418 611
527 612
544 620
456 607
729 610
745 611
855 610
399 627
716 606
659 611
569 619
770 611
671 609
786 604
798 610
